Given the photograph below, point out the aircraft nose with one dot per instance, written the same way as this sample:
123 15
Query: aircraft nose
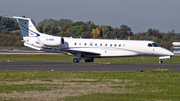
171 54
167 52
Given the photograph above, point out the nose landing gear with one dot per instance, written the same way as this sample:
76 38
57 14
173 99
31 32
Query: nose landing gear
160 61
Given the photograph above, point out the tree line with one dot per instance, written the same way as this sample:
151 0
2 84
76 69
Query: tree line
10 34
68 28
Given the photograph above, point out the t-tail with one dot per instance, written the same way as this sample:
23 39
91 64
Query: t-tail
27 27
33 38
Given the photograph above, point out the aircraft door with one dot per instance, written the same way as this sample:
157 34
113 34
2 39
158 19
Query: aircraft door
150 50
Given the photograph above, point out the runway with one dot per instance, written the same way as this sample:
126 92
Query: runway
59 66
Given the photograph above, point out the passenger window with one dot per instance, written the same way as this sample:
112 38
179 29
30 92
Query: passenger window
75 43
149 45
90 44
79 44
111 45
119 45
114 45
101 44
84 44
96 44
105 44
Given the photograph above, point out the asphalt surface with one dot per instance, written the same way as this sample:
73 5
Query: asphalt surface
48 66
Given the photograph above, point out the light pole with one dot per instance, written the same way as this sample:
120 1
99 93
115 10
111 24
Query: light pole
129 34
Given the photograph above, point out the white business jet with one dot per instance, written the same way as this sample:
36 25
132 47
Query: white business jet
88 49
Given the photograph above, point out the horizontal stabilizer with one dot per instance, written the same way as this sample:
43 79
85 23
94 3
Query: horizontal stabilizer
20 18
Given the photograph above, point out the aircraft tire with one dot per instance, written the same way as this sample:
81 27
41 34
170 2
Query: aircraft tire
92 60
160 61
89 60
75 60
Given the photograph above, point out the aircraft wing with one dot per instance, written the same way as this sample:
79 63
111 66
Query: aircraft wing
81 50
74 50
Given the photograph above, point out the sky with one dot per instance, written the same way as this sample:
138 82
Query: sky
140 15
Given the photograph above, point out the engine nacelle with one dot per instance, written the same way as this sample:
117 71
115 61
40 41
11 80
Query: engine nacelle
52 41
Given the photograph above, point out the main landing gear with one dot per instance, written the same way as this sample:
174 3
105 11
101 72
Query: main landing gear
76 60
89 60
79 57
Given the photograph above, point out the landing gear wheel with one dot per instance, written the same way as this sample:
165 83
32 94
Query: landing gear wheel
160 61
89 60
75 60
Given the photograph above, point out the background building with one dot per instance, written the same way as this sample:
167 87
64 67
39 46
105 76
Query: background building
176 47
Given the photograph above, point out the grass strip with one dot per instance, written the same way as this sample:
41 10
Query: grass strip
66 58
161 84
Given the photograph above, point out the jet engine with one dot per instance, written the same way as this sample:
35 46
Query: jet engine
51 41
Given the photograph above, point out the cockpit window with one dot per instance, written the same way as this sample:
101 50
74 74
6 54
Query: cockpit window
155 45
149 45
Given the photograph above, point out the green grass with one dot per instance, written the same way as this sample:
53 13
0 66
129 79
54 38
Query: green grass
66 58
26 87
161 84
123 97
35 58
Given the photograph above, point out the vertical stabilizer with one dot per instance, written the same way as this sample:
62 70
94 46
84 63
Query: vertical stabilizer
27 27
